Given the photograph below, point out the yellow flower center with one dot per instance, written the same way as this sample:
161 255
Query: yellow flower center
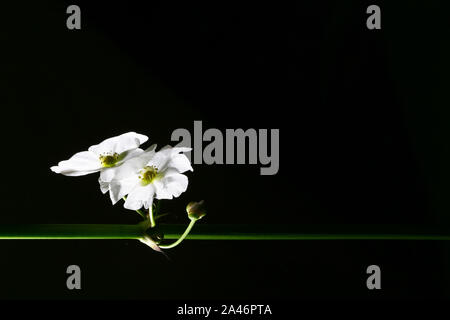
109 160
148 174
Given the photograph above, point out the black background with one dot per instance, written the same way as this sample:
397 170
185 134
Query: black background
363 118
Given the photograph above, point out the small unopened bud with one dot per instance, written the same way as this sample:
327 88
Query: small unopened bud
196 210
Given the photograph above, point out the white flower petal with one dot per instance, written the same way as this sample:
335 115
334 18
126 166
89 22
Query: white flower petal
163 157
130 167
127 155
129 141
160 159
181 163
161 191
151 148
134 160
140 196
181 149
119 144
119 189
108 174
171 185
79 164
104 186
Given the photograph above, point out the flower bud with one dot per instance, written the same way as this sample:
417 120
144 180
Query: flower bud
196 210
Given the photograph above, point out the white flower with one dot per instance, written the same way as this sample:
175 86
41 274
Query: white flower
151 175
104 157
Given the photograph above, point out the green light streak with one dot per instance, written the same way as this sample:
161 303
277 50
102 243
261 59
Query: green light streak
201 232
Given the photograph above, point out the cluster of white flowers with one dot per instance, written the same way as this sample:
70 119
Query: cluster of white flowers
128 171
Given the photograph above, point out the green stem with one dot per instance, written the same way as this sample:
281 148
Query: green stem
152 218
143 215
72 231
183 236
316 232
207 232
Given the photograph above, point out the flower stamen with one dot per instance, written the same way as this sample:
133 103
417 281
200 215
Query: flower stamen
148 174
109 160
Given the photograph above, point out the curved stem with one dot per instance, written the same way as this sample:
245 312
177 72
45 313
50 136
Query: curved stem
143 215
152 218
183 236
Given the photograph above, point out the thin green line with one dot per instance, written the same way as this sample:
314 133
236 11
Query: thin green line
71 231
294 236
202 232
289 232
